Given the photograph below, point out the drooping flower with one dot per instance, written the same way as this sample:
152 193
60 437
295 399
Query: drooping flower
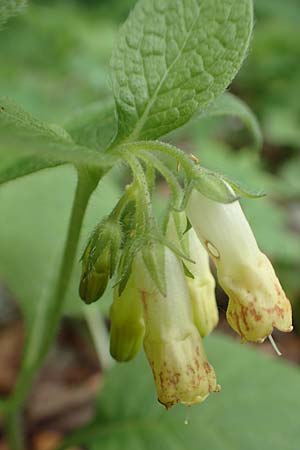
172 343
257 303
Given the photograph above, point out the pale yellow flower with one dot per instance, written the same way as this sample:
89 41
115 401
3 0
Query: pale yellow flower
172 343
257 303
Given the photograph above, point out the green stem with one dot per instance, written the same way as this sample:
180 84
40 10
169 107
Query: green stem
167 149
150 175
46 325
167 174
14 430
46 321
129 195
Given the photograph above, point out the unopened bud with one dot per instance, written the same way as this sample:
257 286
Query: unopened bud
100 260
127 323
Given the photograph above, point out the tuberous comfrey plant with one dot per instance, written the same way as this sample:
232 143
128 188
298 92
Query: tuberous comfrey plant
171 63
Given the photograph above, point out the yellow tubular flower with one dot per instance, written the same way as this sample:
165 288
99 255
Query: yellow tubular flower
172 343
127 323
201 287
257 303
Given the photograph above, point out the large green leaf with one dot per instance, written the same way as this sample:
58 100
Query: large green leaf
93 126
35 213
28 144
172 58
255 409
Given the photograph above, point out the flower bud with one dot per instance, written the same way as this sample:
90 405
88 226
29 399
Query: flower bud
99 260
201 287
257 303
127 323
172 343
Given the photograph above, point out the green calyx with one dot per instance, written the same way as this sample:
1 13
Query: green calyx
153 257
100 260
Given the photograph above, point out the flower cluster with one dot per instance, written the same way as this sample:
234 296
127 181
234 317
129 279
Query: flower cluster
166 326
164 298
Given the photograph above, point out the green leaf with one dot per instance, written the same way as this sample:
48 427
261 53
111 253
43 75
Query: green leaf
172 58
93 126
255 409
14 119
36 211
229 105
28 144
10 8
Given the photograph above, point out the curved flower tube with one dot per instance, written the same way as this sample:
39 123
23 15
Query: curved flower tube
172 343
257 303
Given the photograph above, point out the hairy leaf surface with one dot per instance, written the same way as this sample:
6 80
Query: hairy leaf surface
28 144
172 58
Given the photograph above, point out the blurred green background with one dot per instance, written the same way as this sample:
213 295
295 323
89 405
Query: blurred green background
54 61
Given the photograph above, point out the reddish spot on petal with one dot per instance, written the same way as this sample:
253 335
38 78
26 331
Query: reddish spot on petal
256 316
237 322
244 317
207 368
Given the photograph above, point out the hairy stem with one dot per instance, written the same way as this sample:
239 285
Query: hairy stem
155 146
46 321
